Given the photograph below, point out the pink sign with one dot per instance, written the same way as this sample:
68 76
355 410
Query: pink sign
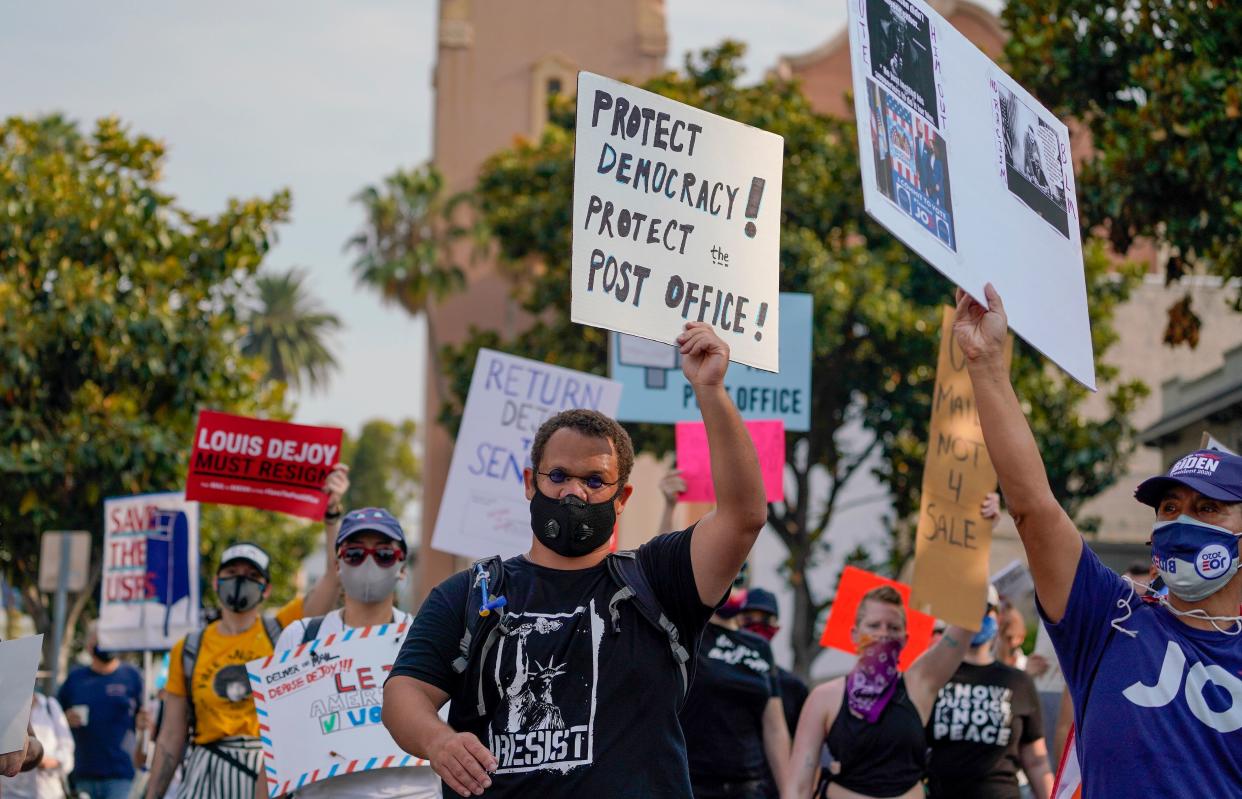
694 459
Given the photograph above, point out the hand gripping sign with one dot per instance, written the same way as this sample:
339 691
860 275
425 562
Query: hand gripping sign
262 464
676 219
319 707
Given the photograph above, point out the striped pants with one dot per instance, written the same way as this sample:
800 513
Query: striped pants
211 775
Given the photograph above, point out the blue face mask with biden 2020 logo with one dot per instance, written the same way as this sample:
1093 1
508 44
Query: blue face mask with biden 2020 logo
1195 559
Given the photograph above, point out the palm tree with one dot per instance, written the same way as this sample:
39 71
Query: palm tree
405 247
289 329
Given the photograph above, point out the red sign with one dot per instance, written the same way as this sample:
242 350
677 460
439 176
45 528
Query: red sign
854 584
262 464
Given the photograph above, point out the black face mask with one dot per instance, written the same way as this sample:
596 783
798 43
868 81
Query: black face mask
239 594
106 657
570 527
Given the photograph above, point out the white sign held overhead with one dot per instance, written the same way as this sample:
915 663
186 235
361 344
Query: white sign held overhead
676 219
971 172
484 510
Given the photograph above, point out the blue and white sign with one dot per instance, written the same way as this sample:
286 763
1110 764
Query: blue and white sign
657 391
148 593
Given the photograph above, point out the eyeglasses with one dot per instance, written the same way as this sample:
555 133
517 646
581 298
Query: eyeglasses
385 556
593 482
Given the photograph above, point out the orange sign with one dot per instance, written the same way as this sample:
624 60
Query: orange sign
854 584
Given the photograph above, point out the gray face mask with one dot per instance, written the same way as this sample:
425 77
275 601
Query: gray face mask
368 581
239 594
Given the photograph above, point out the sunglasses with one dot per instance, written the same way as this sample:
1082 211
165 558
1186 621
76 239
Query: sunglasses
593 482
385 556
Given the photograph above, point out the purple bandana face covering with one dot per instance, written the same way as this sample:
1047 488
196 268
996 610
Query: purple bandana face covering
872 681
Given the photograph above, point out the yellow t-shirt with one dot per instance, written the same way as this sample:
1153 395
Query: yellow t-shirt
220 689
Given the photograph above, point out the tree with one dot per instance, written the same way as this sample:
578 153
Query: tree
288 330
1159 86
118 322
384 471
875 320
408 245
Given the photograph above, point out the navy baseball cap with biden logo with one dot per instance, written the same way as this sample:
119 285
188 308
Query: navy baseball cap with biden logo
1214 474
375 520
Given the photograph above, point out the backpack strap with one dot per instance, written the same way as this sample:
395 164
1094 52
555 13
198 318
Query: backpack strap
272 626
189 657
485 621
628 573
310 628
486 577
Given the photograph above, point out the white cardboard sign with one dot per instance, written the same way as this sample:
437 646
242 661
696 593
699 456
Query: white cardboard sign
676 219
484 510
971 172
19 660
149 591
319 707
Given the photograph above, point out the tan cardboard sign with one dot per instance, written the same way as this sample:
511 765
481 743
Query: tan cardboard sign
951 550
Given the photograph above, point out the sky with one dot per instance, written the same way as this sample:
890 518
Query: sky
320 97
323 97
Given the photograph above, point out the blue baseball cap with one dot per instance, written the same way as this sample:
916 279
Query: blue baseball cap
375 520
762 600
1214 474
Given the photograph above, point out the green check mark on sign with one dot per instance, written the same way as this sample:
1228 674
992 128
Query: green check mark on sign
329 723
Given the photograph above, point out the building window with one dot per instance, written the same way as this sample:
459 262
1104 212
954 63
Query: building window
553 75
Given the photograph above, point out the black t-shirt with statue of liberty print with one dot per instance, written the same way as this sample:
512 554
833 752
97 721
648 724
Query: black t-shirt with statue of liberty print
578 704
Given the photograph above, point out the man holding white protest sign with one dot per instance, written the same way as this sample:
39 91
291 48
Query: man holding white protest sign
567 665
1133 663
209 700
371 554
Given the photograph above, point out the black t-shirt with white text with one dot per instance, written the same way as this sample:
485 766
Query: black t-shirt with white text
979 722
577 704
723 716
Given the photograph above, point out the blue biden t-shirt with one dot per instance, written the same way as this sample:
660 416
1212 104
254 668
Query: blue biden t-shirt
1158 713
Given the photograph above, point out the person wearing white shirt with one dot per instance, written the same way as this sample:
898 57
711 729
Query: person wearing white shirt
371 554
47 781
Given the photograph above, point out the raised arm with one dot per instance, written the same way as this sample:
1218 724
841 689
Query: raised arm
723 538
929 673
322 598
1053 545
411 716
169 746
671 486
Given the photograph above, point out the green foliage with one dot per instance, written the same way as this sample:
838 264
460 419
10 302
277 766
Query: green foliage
403 245
287 539
1159 85
875 330
384 471
118 322
288 330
